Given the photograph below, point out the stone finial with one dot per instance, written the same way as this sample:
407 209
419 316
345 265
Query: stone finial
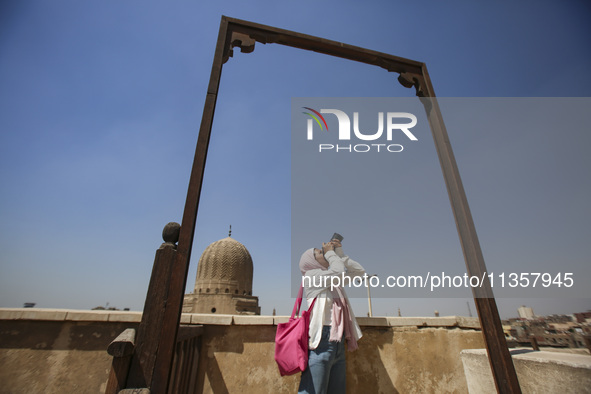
230 232
171 233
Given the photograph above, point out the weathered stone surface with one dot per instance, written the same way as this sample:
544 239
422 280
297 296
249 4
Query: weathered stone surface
70 356
280 319
131 317
468 322
203 318
185 318
538 372
448 321
373 321
388 360
49 356
253 320
423 321
43 314
10 314
87 316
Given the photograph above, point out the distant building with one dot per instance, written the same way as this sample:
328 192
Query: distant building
583 316
224 281
555 331
526 312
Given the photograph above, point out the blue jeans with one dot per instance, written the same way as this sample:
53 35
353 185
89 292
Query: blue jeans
326 372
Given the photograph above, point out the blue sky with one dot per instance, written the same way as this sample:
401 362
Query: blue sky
100 103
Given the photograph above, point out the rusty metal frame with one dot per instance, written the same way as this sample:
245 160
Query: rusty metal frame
242 34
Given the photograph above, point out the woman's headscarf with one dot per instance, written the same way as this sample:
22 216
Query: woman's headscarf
341 316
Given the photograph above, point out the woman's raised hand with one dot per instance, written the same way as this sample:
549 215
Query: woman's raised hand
326 246
336 243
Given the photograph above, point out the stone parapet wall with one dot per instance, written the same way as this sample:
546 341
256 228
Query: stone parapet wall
42 352
404 359
63 351
38 314
537 371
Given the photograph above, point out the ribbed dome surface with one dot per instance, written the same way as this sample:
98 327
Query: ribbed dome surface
225 267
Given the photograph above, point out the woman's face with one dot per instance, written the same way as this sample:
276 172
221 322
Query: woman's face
319 256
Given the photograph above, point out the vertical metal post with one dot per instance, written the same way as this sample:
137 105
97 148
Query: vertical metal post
370 313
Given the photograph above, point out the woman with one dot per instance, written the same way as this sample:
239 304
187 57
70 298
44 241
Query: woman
332 320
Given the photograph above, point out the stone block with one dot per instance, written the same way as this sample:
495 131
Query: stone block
253 320
407 321
87 316
468 322
445 321
44 314
206 318
10 314
280 319
125 316
441 321
373 321
186 318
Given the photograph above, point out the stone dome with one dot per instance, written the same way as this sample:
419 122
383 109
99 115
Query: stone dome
225 267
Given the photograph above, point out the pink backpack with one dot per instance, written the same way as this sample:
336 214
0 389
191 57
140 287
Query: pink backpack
291 340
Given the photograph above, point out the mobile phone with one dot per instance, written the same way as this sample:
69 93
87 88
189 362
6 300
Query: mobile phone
337 236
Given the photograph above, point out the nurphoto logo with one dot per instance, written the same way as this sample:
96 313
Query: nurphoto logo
396 122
